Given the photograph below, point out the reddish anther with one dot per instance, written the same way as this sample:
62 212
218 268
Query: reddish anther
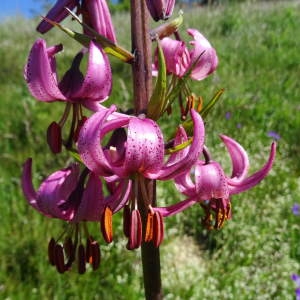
54 138
59 258
126 220
158 229
95 255
135 234
81 259
51 251
106 225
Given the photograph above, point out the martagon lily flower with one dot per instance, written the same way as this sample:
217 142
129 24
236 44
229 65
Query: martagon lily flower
212 188
95 14
41 77
140 150
135 150
200 61
76 198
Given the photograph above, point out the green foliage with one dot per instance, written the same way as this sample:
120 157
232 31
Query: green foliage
253 256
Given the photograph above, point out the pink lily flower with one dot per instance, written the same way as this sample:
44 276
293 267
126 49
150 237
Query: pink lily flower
95 13
201 60
63 195
41 77
160 9
212 188
140 150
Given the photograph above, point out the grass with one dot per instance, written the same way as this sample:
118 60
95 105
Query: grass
253 256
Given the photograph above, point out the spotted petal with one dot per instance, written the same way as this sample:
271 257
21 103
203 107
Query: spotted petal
40 72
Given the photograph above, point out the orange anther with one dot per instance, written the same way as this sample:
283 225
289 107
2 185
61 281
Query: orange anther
106 225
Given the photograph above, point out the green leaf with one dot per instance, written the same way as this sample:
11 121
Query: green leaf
158 99
206 109
107 45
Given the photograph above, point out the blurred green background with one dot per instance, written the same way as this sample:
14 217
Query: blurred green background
255 253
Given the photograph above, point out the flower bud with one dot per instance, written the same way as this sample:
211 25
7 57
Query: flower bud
160 9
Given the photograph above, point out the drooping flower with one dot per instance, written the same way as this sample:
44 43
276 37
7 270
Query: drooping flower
95 14
76 198
212 188
140 150
41 77
160 9
68 195
200 61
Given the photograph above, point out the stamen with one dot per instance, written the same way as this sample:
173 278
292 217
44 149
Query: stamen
149 227
106 225
81 259
135 236
51 251
59 258
96 255
158 229
126 220
54 138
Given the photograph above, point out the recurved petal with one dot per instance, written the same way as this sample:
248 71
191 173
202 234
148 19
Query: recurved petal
27 186
185 163
57 13
97 82
176 208
53 194
256 178
89 141
92 201
239 158
40 72
204 58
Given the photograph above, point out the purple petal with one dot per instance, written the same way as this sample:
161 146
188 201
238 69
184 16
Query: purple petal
97 83
239 158
92 201
203 55
274 135
145 148
40 72
27 187
176 208
253 180
90 136
172 170
296 209
100 19
176 56
120 195
53 194
210 181
57 13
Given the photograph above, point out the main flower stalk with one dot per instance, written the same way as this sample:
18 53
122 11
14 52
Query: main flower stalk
142 79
